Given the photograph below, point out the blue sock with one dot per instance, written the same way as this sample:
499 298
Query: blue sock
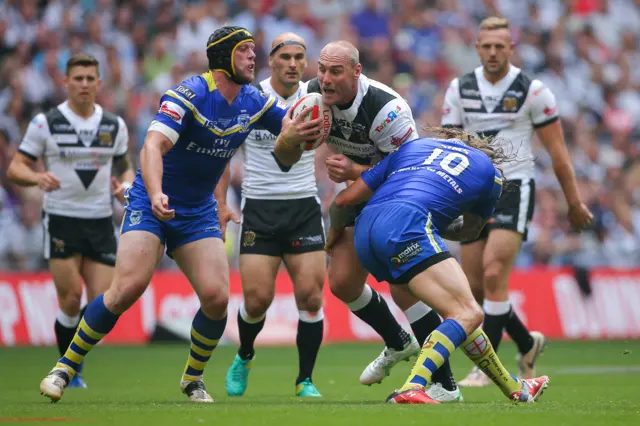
96 323
205 335
436 350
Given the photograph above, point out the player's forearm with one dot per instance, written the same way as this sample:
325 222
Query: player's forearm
220 192
151 168
563 170
358 169
286 153
21 174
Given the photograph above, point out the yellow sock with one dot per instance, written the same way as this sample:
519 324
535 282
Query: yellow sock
436 350
479 350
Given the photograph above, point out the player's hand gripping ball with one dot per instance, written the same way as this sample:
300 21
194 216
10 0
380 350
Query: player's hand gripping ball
319 109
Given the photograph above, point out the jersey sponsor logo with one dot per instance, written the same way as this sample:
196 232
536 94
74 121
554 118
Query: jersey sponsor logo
514 93
173 111
446 111
86 136
263 135
352 148
471 93
135 217
390 117
471 103
281 105
510 104
538 90
222 152
397 141
348 128
61 127
549 111
188 93
244 120
405 255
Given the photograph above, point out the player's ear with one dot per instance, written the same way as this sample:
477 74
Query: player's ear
357 70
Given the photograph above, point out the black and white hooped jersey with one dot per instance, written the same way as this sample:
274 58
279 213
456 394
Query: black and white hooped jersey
508 111
264 177
78 151
375 124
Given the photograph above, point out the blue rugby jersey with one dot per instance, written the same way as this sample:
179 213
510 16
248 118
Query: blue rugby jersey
445 177
207 131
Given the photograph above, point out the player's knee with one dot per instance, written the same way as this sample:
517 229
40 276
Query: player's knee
344 288
494 272
256 303
309 300
70 302
214 302
121 296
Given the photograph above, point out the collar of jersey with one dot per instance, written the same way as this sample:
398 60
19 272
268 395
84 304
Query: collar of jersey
210 124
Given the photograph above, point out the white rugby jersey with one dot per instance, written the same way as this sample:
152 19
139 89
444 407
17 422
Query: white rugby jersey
264 178
79 152
374 124
508 111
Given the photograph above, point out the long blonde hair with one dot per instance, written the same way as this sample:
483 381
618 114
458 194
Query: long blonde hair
495 153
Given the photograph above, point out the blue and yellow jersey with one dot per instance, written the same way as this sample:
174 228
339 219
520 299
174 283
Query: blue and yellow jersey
445 177
206 131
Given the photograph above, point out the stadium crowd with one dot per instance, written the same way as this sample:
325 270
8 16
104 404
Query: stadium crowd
585 51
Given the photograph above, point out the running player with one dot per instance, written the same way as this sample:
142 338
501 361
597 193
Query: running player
281 222
499 100
430 183
369 121
201 122
82 147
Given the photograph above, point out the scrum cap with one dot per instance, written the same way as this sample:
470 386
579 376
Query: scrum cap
221 46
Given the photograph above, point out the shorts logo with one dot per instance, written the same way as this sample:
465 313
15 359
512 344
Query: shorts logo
135 217
308 241
58 245
244 120
504 218
249 239
405 255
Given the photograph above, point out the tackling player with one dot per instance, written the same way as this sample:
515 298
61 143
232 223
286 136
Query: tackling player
430 184
499 100
82 146
281 222
370 120
200 124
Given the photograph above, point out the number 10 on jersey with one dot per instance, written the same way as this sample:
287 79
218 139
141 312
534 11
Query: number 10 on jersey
445 163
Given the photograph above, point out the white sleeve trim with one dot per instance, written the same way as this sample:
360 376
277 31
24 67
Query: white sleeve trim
165 130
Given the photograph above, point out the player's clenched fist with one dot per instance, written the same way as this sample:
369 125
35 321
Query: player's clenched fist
340 168
580 216
160 207
48 182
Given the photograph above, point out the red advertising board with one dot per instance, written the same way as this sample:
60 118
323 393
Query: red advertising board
547 300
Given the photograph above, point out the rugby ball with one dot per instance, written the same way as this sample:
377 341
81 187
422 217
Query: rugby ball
314 100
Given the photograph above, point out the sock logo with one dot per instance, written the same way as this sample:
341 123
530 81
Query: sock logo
476 347
403 257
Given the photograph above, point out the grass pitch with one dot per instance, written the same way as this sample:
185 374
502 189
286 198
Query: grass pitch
592 383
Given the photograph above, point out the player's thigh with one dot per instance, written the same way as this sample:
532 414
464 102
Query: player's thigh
445 288
307 271
500 252
137 256
258 273
346 274
97 277
204 263
68 282
471 261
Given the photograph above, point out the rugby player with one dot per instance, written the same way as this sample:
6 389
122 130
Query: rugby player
370 120
498 100
200 124
281 222
441 189
84 149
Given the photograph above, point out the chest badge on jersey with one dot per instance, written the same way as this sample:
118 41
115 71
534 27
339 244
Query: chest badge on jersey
510 104
244 120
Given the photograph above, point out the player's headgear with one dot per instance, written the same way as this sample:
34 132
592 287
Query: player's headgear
221 46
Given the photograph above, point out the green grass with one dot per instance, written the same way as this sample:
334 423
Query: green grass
139 386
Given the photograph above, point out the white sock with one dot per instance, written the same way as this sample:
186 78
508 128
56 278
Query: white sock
67 321
311 317
417 311
496 308
362 300
245 316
